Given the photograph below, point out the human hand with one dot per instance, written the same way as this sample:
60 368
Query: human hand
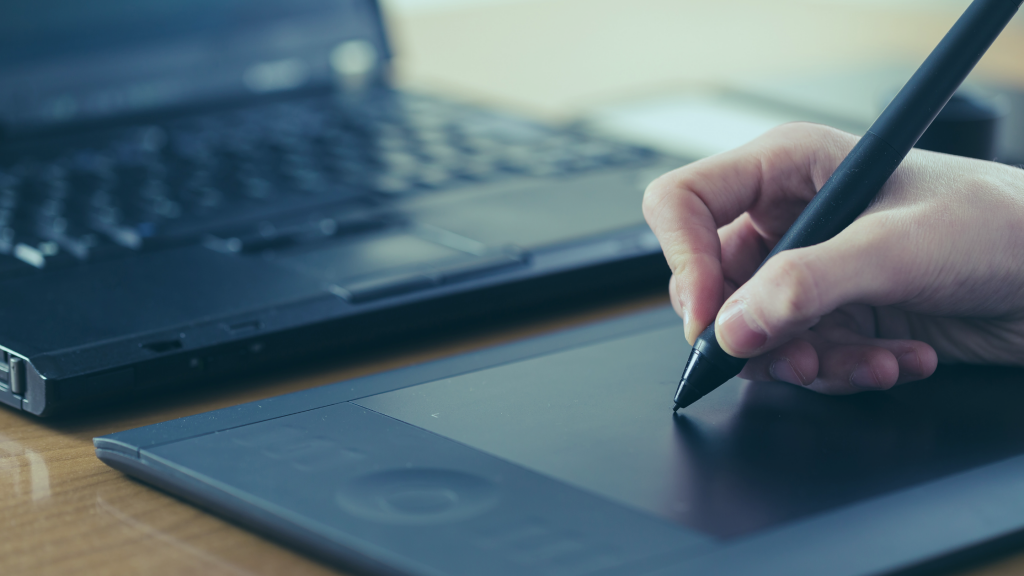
933 269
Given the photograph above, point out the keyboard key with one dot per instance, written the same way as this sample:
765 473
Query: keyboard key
6 239
270 235
126 236
388 183
433 176
29 255
180 181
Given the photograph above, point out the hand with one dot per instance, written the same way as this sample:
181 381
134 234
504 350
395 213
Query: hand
933 270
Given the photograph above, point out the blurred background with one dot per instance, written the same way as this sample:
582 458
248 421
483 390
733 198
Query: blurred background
693 77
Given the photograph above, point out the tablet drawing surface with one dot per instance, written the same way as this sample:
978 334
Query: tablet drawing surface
749 456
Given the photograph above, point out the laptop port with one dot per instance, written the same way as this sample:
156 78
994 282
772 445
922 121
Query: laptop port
5 367
16 374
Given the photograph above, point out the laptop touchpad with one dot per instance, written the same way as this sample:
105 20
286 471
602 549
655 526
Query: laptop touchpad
542 214
371 255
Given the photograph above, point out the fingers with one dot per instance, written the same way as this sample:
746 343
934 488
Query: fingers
849 369
687 231
743 250
915 359
771 179
916 362
795 289
844 368
795 362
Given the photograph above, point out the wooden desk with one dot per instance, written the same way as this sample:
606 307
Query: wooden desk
62 511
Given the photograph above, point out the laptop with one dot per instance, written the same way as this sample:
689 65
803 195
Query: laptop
193 190
560 455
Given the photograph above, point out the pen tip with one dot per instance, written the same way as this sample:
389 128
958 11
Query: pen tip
686 395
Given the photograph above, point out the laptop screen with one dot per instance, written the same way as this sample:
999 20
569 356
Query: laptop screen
65 59
35 30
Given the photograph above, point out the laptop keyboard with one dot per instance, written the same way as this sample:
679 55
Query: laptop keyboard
253 178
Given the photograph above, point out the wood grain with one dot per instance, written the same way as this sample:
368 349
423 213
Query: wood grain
64 512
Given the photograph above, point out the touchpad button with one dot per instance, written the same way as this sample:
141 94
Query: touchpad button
370 255
417 496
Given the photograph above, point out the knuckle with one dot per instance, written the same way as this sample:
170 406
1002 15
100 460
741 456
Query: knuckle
794 289
801 130
655 195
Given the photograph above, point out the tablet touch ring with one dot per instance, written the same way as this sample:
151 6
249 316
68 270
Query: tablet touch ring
417 496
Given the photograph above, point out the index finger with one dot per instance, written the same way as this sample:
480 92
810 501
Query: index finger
771 178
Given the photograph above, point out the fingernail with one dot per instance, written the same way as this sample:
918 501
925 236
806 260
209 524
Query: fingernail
740 334
910 365
863 377
782 369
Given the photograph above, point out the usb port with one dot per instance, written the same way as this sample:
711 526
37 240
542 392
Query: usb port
16 374
5 367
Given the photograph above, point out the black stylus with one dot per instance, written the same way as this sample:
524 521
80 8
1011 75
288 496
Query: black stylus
862 173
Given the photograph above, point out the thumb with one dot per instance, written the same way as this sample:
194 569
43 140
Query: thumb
793 290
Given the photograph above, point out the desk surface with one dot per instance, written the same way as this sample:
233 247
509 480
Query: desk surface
63 511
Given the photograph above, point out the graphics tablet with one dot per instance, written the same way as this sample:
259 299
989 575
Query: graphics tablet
560 455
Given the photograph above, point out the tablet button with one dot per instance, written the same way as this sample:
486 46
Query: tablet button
417 496
422 501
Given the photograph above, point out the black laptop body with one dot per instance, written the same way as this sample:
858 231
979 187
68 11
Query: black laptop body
190 190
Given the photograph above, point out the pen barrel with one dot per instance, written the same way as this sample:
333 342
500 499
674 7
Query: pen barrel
845 195
917 104
707 367
863 172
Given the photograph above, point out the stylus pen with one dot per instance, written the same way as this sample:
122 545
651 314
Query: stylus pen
862 173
